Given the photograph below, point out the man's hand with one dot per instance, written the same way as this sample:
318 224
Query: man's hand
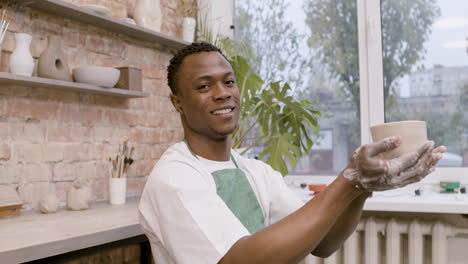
375 174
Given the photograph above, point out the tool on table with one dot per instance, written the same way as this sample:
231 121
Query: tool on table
316 188
449 186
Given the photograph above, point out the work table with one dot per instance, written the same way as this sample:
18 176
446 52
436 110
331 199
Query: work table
34 235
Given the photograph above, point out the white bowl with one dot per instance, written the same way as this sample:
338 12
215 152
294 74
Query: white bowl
96 75
101 10
128 20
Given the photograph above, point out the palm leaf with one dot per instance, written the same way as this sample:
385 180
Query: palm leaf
284 123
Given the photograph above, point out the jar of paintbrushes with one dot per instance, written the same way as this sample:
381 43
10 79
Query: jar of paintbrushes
4 23
118 179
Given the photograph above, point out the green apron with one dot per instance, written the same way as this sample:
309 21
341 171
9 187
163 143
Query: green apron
234 188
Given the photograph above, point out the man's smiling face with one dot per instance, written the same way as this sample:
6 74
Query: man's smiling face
207 95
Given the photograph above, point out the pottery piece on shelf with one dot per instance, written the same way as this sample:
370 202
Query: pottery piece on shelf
80 195
48 204
10 202
188 28
130 79
98 9
148 14
128 20
53 61
21 60
96 75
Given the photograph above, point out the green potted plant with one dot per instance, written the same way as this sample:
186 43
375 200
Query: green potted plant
271 119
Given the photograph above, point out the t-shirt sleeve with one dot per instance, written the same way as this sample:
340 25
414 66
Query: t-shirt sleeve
192 222
282 200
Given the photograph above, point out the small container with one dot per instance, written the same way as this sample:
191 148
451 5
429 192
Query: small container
21 60
449 186
117 190
316 188
188 29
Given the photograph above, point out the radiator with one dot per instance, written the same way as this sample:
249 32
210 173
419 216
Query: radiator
395 241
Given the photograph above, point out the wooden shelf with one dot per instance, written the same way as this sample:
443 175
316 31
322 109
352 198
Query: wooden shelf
71 11
13 79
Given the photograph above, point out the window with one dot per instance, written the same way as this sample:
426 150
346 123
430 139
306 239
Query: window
312 45
412 64
425 66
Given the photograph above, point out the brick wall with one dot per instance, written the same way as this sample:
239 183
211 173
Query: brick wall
51 137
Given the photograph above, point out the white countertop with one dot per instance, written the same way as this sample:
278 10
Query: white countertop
34 235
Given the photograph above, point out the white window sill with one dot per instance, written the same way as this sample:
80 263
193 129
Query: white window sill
404 199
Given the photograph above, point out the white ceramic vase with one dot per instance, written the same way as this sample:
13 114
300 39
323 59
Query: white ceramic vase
21 60
188 28
117 190
148 14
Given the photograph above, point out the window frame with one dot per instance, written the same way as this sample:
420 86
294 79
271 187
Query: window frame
371 72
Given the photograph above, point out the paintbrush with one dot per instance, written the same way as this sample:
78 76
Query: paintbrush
122 160
4 22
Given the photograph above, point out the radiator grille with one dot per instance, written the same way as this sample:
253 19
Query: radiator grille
395 241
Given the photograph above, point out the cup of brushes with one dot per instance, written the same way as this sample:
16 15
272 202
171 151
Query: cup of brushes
118 179
4 23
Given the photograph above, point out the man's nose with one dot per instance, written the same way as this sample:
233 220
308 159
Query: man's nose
222 92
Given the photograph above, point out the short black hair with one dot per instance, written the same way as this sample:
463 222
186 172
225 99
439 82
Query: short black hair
176 61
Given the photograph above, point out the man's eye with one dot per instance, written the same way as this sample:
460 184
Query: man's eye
230 82
204 86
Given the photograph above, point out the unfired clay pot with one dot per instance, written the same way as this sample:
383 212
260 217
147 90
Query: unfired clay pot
78 198
148 14
53 62
48 204
413 135
80 195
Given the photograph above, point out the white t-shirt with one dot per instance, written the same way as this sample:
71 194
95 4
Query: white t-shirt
212 165
185 219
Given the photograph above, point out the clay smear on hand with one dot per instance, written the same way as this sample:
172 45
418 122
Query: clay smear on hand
375 174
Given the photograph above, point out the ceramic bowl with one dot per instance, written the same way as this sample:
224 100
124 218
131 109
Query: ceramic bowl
128 20
96 75
98 9
413 135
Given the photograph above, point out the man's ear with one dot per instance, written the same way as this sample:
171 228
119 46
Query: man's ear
176 103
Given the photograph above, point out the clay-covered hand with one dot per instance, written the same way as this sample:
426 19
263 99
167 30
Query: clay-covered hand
375 174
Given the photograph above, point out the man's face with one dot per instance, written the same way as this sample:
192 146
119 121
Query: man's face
207 95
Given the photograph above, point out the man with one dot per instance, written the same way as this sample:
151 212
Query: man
204 203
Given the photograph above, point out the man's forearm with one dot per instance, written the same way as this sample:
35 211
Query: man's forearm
343 228
299 233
